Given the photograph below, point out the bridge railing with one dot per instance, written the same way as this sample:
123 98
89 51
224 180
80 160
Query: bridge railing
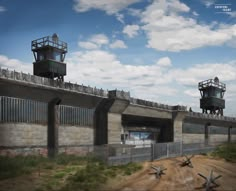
20 76
157 105
210 116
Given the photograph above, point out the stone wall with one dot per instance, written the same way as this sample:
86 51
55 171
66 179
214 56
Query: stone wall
75 135
195 133
25 138
22 135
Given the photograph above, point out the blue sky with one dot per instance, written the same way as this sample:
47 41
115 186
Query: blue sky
157 49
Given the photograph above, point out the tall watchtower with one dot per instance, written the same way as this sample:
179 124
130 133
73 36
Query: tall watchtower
212 93
49 53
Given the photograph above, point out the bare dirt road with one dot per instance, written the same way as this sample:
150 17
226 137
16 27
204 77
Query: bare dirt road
177 177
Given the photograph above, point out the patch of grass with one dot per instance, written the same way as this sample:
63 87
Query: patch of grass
226 151
96 173
65 172
15 166
59 175
19 165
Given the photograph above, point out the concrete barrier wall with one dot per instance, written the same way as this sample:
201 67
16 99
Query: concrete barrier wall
193 138
22 134
76 135
195 133
35 135
217 138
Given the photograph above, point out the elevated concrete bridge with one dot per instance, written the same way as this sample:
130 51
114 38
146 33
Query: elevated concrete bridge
116 112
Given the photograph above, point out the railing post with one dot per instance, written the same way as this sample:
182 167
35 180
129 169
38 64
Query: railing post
229 134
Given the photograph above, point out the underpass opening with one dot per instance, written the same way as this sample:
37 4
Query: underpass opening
141 130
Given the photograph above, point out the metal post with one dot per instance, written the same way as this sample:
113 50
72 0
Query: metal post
229 134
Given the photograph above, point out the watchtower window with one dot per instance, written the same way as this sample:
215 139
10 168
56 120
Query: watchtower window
41 56
218 93
57 56
205 94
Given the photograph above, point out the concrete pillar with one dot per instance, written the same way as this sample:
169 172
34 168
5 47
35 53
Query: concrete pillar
108 118
114 125
53 125
207 133
229 133
178 118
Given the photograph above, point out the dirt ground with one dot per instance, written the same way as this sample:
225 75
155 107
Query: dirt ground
177 177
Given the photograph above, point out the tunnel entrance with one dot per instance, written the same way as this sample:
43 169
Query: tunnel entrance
140 130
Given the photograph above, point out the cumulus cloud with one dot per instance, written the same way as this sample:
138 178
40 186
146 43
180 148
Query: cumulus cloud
94 42
88 45
118 44
103 69
131 30
14 64
208 3
167 30
165 62
109 6
191 76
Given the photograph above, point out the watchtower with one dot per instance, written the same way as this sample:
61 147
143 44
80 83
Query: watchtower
212 93
49 53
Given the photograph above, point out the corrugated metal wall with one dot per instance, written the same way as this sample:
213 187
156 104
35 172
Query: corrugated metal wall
76 116
29 111
22 110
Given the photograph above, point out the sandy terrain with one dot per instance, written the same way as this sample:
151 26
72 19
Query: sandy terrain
177 177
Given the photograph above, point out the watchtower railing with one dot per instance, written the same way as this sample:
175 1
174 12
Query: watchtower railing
48 41
211 82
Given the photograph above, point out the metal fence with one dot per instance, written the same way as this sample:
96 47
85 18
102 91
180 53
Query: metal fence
16 110
123 154
166 150
197 148
22 110
76 116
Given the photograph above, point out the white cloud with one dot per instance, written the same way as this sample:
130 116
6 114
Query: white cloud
134 12
120 17
118 44
14 64
131 30
191 76
88 45
195 13
165 62
208 3
167 30
99 39
98 67
192 93
94 42
109 6
2 9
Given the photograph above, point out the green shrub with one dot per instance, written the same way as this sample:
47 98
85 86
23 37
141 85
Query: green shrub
226 151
